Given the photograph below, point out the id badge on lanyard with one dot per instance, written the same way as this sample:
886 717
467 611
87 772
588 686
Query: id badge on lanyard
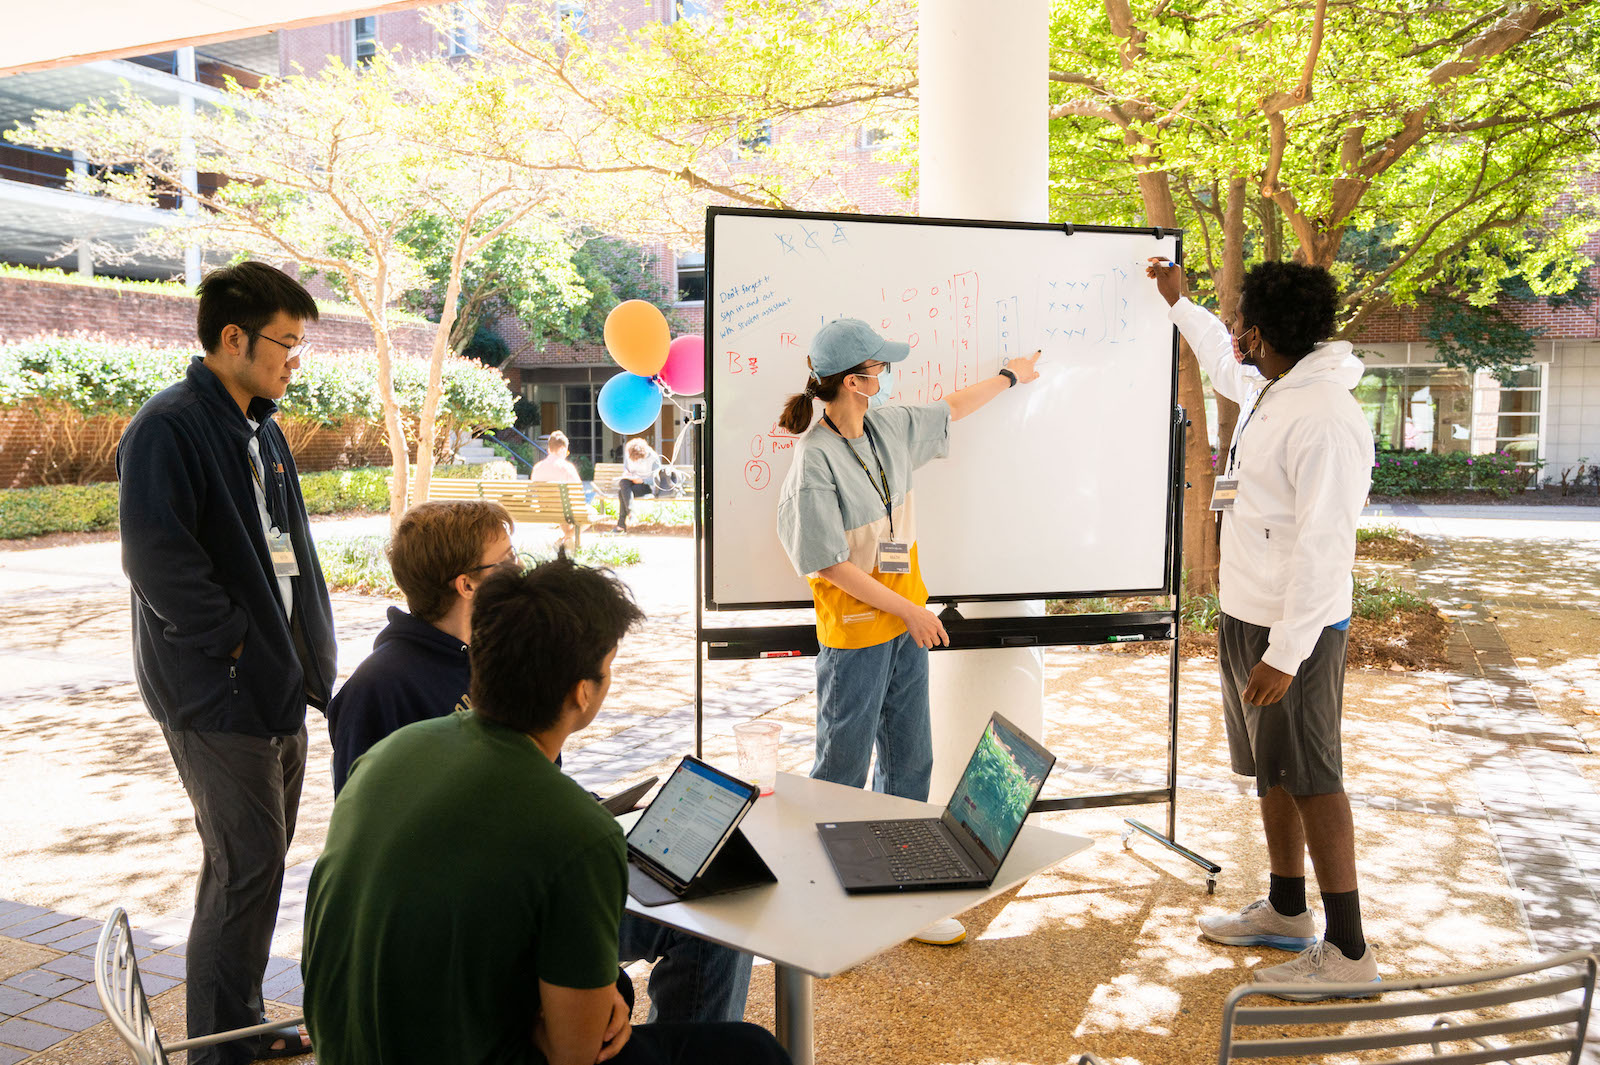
1224 494
894 557
281 548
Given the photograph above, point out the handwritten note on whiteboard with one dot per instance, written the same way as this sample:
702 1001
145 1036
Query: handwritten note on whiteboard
1055 488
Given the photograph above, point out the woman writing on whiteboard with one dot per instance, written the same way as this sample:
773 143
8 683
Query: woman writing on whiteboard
847 521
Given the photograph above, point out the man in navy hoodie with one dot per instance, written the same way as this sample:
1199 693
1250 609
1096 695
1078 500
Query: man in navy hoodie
232 628
440 555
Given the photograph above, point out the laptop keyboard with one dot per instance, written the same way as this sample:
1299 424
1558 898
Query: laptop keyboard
917 851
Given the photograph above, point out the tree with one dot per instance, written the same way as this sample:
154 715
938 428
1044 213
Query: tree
1441 141
327 172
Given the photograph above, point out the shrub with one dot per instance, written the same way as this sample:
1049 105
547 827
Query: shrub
84 389
358 563
1402 473
333 491
57 508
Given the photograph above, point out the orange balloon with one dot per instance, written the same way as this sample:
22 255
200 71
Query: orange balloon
637 336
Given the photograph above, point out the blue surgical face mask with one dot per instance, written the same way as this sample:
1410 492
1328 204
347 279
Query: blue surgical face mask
885 388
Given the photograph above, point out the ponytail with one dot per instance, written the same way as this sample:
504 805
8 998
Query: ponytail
797 410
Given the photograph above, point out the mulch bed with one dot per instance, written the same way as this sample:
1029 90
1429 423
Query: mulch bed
1401 548
1411 640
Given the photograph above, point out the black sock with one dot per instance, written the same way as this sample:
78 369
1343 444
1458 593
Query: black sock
1287 894
1343 910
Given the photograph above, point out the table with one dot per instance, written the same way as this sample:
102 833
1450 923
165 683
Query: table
805 923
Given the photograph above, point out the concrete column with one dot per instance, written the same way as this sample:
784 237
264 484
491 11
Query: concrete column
983 136
190 177
80 167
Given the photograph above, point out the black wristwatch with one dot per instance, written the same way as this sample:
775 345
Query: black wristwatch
1009 376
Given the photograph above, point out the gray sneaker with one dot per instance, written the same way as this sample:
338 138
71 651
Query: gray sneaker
1259 925
1321 963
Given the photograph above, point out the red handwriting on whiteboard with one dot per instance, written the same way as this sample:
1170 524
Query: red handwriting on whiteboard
757 474
741 363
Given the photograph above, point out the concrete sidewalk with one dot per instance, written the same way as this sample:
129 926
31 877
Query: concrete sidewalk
1491 768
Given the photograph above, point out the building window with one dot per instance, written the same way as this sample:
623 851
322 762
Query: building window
464 28
1442 410
692 279
364 39
874 137
572 17
691 9
757 140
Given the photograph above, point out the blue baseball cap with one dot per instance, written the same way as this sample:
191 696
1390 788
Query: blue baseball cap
845 343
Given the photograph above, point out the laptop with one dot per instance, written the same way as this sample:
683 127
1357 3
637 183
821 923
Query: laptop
965 846
688 823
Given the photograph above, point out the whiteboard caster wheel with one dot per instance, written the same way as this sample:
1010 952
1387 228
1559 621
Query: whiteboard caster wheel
1211 885
1127 837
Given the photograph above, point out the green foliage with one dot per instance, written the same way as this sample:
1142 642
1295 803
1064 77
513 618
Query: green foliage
1478 338
1404 473
585 467
336 491
613 271
1383 598
1366 533
1201 612
96 376
57 508
486 346
358 563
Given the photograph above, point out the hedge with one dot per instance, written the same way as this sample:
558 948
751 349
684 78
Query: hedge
1406 473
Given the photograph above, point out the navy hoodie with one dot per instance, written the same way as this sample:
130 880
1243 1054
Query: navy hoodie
415 672
202 580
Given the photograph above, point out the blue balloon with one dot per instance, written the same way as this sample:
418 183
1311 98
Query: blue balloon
629 403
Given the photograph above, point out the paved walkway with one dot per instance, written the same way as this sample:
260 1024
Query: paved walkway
1541 807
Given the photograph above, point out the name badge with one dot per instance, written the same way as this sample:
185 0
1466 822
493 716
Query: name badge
281 548
894 557
1226 491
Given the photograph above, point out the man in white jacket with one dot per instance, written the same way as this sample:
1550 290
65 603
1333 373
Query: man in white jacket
1291 486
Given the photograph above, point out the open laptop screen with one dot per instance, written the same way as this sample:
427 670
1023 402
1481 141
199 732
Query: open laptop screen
996 792
695 811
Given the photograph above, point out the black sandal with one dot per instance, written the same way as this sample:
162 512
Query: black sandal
296 1042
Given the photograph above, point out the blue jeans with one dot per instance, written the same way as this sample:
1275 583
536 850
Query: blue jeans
694 979
875 695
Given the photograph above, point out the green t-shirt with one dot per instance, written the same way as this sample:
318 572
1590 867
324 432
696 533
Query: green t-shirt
461 868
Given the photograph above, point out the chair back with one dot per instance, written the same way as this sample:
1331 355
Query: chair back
116 982
1479 1019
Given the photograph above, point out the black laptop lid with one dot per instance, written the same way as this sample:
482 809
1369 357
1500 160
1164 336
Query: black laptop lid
1003 778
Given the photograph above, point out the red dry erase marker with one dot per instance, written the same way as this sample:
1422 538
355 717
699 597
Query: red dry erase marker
780 654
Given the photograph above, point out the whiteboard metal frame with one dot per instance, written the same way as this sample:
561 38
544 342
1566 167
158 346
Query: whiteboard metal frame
706 443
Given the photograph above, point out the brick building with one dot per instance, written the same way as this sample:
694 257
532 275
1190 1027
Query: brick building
1550 410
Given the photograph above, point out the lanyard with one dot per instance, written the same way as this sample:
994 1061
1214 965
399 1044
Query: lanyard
881 485
1233 451
270 497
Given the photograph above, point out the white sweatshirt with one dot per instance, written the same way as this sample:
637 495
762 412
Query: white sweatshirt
1304 465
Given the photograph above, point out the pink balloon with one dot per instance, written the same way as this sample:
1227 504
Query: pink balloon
685 369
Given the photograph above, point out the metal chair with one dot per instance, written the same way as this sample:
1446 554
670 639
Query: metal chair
117 983
1566 982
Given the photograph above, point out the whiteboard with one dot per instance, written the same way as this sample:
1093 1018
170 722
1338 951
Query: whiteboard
1057 488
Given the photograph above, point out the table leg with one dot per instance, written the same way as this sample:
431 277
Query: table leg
792 990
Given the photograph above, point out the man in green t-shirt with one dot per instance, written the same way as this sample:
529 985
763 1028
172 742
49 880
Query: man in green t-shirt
466 906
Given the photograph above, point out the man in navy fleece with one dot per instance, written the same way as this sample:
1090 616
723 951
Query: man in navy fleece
441 554
418 668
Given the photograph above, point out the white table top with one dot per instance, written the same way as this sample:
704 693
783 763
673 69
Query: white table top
806 920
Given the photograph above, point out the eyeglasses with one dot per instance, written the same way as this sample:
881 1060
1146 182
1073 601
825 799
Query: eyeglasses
300 350
510 559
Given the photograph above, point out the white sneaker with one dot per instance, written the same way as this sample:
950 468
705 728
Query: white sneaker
1321 963
945 933
1259 925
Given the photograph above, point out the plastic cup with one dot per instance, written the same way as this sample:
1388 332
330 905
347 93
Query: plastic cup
758 753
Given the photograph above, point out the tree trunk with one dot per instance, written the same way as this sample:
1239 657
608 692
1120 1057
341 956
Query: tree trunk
1229 284
430 399
1199 524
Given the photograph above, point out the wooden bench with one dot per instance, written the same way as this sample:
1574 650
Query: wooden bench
544 502
606 475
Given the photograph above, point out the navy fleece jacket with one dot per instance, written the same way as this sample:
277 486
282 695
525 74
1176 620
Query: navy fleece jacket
196 557
415 672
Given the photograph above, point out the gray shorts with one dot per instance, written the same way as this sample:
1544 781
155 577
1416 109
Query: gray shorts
1293 744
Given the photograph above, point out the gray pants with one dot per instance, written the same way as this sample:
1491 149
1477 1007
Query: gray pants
1294 743
246 793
